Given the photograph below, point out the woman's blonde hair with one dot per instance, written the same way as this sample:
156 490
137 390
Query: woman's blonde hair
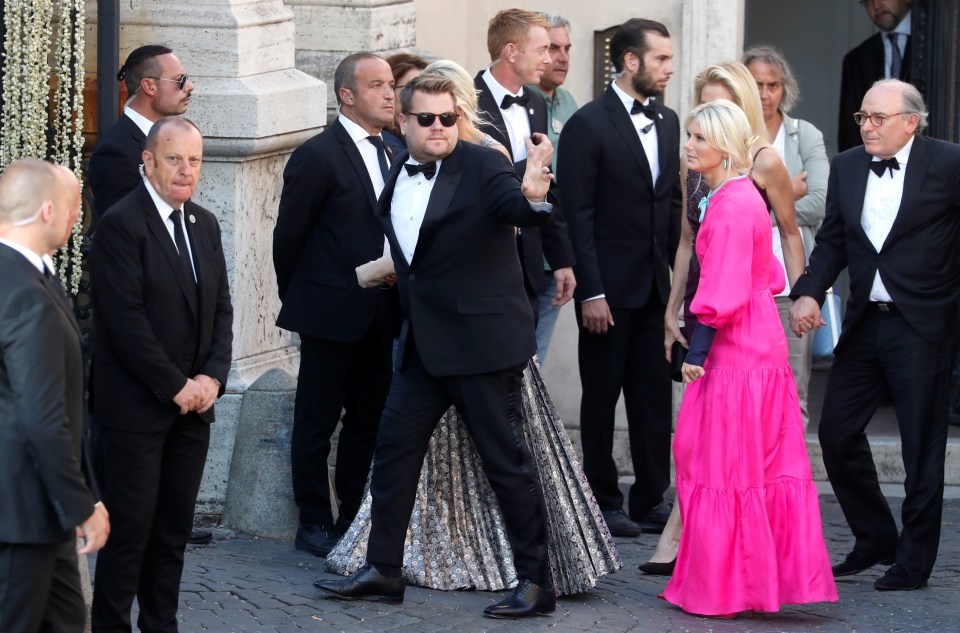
741 85
464 89
725 128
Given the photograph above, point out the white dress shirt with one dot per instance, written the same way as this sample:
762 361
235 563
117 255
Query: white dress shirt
408 206
515 117
649 139
142 122
902 31
368 152
165 211
37 261
881 201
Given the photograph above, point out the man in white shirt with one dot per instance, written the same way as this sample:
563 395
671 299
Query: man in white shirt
893 218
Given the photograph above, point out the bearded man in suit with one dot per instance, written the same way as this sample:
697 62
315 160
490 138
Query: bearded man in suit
162 350
45 495
893 219
450 212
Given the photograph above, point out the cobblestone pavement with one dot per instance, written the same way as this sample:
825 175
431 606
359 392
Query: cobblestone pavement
248 584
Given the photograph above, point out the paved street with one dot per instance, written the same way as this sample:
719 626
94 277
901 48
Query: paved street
244 584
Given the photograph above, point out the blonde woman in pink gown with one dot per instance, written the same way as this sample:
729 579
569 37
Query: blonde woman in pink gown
752 537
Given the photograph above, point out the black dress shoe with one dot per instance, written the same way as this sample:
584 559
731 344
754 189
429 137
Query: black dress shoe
899 578
528 599
659 569
318 539
620 524
365 583
857 562
200 537
654 520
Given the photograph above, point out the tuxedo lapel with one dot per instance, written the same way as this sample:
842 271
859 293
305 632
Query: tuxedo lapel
624 127
55 290
665 141
383 210
350 148
916 169
856 191
165 242
496 128
447 180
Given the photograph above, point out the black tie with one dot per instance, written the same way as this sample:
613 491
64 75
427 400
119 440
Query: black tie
879 166
648 110
181 241
896 60
381 156
509 100
429 170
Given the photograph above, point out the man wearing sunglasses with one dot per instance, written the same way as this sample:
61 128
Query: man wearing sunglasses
157 86
449 211
893 218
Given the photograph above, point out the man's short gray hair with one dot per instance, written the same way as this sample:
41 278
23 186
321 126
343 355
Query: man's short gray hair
556 21
912 100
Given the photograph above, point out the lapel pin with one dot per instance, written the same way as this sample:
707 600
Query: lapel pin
531 111
193 219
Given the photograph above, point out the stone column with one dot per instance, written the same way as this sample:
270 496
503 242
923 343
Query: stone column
711 32
329 30
254 108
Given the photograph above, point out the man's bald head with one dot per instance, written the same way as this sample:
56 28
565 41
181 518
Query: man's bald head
39 204
24 186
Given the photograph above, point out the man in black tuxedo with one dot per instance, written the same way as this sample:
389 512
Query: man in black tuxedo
620 172
519 43
43 491
450 212
893 218
162 345
157 86
326 227
883 55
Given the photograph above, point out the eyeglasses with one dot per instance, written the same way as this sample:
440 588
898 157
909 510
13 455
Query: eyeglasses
876 119
181 81
426 119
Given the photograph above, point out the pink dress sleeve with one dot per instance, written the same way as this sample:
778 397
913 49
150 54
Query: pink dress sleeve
725 248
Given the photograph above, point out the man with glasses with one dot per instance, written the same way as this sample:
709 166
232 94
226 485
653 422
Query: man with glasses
450 213
893 218
884 55
157 86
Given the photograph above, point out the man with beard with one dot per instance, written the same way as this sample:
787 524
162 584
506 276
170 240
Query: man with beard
884 55
620 176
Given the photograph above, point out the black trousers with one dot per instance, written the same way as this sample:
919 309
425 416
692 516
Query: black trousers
40 588
491 407
883 353
630 359
337 377
149 483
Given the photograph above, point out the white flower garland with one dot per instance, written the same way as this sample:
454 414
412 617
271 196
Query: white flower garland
27 108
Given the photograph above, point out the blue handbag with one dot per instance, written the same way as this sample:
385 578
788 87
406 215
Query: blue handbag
826 337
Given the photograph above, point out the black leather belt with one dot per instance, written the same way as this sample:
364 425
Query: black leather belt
884 306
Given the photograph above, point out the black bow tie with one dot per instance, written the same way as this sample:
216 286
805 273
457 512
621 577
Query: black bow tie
879 166
649 110
429 170
509 100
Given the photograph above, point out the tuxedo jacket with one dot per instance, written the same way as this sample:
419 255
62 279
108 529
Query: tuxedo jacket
114 168
43 492
624 229
326 227
462 295
919 262
551 239
153 328
862 66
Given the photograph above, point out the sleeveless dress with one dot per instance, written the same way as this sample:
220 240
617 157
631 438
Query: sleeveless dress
752 537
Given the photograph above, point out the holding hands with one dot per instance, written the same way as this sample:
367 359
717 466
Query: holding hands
805 316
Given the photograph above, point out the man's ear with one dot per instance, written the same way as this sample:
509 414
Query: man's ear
346 96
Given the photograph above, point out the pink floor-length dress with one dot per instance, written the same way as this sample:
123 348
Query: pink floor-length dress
752 537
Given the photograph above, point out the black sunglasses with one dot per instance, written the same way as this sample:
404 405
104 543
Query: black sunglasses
181 81
425 119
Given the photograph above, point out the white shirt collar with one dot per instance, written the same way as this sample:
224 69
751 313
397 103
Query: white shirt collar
142 122
356 132
626 99
497 91
903 155
162 207
904 26
31 256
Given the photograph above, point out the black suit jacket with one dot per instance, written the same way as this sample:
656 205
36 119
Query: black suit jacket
919 262
43 492
152 330
862 66
326 227
462 295
114 165
624 229
551 239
